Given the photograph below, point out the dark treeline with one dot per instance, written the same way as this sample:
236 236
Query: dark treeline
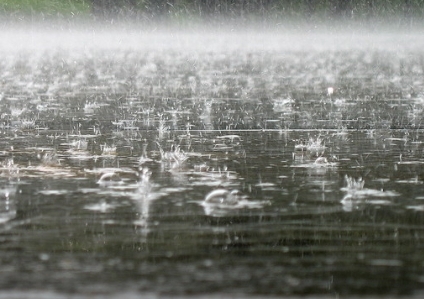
244 8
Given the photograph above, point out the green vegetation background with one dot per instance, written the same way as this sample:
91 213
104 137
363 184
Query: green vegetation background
198 10
45 7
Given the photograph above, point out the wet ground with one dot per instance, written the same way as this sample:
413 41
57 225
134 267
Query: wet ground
250 167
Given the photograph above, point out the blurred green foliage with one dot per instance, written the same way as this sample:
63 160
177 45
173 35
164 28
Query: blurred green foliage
349 8
206 9
46 8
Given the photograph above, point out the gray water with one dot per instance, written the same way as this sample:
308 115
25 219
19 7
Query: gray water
111 144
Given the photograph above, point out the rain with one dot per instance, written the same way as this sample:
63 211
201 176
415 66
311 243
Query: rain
218 148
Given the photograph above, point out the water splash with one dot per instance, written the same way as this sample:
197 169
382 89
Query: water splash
7 203
357 195
221 202
108 150
353 184
175 156
110 179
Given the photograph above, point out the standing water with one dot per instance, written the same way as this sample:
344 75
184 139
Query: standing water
227 164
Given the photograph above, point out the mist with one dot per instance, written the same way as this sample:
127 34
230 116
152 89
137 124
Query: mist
196 25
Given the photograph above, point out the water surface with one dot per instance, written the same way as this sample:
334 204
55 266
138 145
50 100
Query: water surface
109 153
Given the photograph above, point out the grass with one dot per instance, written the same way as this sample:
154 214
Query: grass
189 11
44 8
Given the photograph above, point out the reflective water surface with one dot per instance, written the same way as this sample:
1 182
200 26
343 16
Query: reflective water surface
193 170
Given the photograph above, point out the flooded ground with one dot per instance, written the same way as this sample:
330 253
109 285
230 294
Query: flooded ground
155 165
